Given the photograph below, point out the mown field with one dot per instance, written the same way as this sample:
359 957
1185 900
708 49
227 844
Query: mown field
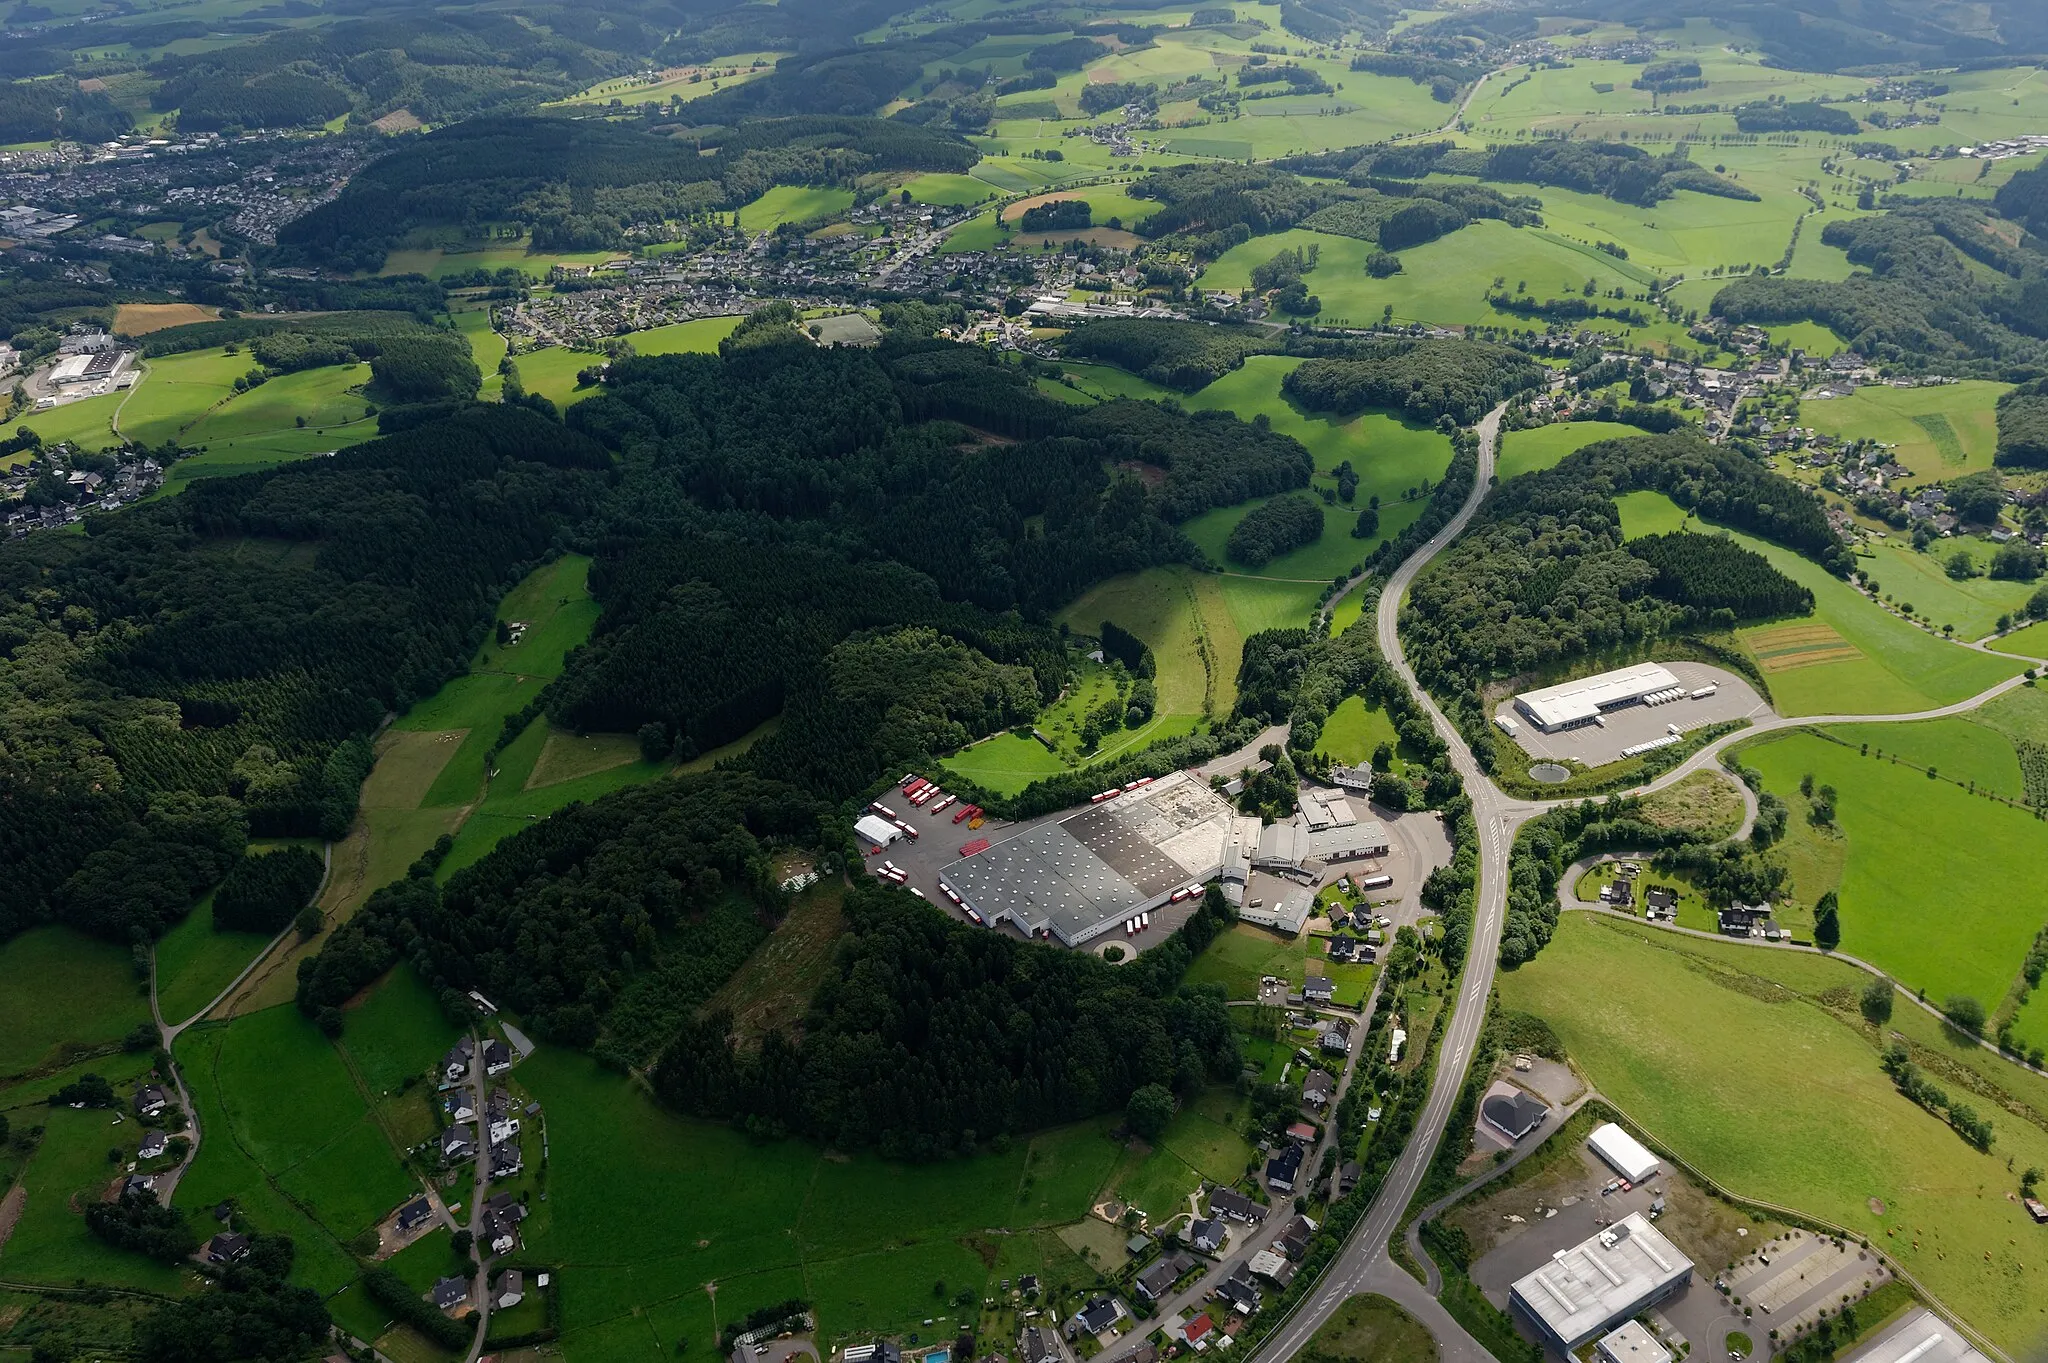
59 988
1543 447
194 962
1941 432
1850 656
1760 1054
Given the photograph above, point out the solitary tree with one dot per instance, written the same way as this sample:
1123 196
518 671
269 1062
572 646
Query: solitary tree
1965 1012
1877 1001
1827 927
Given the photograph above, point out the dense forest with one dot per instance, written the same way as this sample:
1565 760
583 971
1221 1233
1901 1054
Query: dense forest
1543 578
931 1035
185 695
1274 528
1184 355
1613 169
1425 379
1798 117
1916 302
2023 427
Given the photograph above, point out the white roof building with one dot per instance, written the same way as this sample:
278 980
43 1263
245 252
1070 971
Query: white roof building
877 829
1625 1154
1922 1337
1631 1343
1583 701
1585 1290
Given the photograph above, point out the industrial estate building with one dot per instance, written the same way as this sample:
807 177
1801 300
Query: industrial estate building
1631 1343
1922 1337
1082 876
1573 703
1585 1291
1624 1154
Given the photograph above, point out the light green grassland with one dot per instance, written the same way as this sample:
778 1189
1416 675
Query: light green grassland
1105 381
433 261
1941 432
260 428
1902 667
1811 337
1941 925
194 962
693 83
1542 447
1173 610
1354 729
1445 281
1921 580
1844 1144
1374 1327
60 988
953 190
869 1238
70 1169
793 203
1008 762
551 371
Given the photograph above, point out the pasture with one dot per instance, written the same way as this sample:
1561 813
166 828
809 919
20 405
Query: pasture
868 1237
1984 909
62 991
1844 1144
69 1170
1007 762
1354 729
551 370
1182 617
194 962
792 204
683 83
1850 656
1940 432
1972 605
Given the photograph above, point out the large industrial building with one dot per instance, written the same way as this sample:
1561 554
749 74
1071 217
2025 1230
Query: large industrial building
1573 703
1585 1291
1079 877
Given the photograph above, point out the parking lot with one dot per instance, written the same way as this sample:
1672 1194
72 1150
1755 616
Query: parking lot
1595 745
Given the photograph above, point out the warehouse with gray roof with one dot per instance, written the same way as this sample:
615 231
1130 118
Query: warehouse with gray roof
1586 1290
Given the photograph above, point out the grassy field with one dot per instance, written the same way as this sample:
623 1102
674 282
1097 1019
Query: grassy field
433 261
793 203
1850 656
1940 432
70 1169
1542 447
261 428
1183 618
60 989
1844 1144
1008 762
1371 1326
1972 605
194 962
1354 729
551 371
1983 910
862 1239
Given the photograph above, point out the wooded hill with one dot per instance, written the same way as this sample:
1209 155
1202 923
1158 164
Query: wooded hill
1542 577
578 184
1916 302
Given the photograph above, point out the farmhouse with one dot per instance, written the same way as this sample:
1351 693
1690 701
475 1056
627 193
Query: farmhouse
1584 1291
1922 1337
1077 878
1574 703
1623 1152
1513 1115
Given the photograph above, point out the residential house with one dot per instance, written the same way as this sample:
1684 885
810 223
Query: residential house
499 1107
506 1160
1038 1346
1336 1038
501 1226
228 1247
458 1143
1207 1236
1294 1237
455 1064
1240 1292
1317 989
1197 1331
1235 1205
504 1129
1283 1169
150 1100
461 1105
153 1145
1302 1133
1348 1176
1342 948
1158 1279
1098 1315
497 1057
414 1214
1319 1088
139 1184
511 1288
449 1293
1660 901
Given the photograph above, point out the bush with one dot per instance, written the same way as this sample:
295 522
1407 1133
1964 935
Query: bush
140 1223
1382 264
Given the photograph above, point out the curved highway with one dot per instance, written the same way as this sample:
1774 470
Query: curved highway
1363 1262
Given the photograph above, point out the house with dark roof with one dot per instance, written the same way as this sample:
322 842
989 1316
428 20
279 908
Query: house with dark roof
497 1057
1294 1237
458 1143
1235 1205
414 1214
1037 1345
153 1145
150 1100
455 1064
1158 1278
1283 1169
1316 989
138 1185
1514 1115
1336 1038
1240 1292
1319 1088
449 1293
506 1160
227 1248
1207 1236
1098 1315
1275 1267
511 1288
499 1232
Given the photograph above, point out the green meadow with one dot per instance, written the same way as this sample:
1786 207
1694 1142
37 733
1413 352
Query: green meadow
69 1169
551 370
1843 1144
1542 447
63 991
1850 656
194 962
1007 762
1941 432
1920 579
793 203
1940 925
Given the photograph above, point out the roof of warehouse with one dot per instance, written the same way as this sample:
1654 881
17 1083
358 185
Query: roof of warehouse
1584 1287
1573 701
